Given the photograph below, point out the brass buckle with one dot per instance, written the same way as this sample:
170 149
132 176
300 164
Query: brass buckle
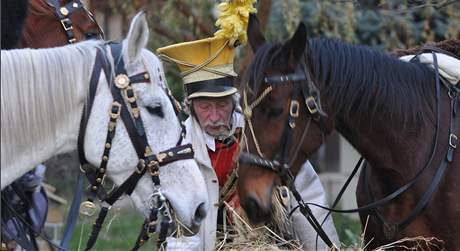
154 168
284 195
112 125
294 109
130 98
64 24
136 112
115 115
453 140
314 109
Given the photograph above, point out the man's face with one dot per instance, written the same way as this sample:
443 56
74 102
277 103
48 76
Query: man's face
214 114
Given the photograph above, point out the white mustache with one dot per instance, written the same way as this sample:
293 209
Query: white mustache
218 123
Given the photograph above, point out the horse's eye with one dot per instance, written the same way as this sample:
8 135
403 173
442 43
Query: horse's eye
272 111
275 111
156 110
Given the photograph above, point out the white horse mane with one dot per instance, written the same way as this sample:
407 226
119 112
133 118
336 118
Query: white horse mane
42 96
30 110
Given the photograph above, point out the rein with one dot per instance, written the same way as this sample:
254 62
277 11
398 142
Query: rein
159 219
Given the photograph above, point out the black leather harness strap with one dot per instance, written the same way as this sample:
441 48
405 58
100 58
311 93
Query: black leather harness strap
392 228
149 162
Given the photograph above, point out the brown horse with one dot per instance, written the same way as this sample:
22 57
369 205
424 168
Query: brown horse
47 26
295 94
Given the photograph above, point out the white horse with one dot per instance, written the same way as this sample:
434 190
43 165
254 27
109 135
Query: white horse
42 96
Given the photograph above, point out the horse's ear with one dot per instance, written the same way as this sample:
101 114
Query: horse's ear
255 36
296 46
137 38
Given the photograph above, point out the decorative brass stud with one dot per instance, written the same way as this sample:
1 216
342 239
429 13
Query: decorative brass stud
75 5
136 112
121 81
87 208
186 150
107 145
98 180
112 126
94 188
64 11
148 151
105 158
102 170
146 76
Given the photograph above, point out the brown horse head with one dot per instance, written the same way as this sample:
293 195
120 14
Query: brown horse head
270 115
43 28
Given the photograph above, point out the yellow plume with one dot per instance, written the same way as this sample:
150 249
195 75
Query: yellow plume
233 20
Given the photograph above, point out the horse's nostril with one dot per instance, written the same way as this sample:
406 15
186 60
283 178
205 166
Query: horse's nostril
250 204
200 214
254 211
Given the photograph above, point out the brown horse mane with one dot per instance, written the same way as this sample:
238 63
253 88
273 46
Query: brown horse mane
359 81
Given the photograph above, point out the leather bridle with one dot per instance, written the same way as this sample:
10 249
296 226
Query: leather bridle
125 106
309 95
63 14
311 102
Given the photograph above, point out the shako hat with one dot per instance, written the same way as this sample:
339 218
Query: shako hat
206 65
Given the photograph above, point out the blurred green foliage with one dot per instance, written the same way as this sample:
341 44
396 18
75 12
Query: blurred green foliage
385 25
348 229
119 232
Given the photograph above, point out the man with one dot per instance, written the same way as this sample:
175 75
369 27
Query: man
214 129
